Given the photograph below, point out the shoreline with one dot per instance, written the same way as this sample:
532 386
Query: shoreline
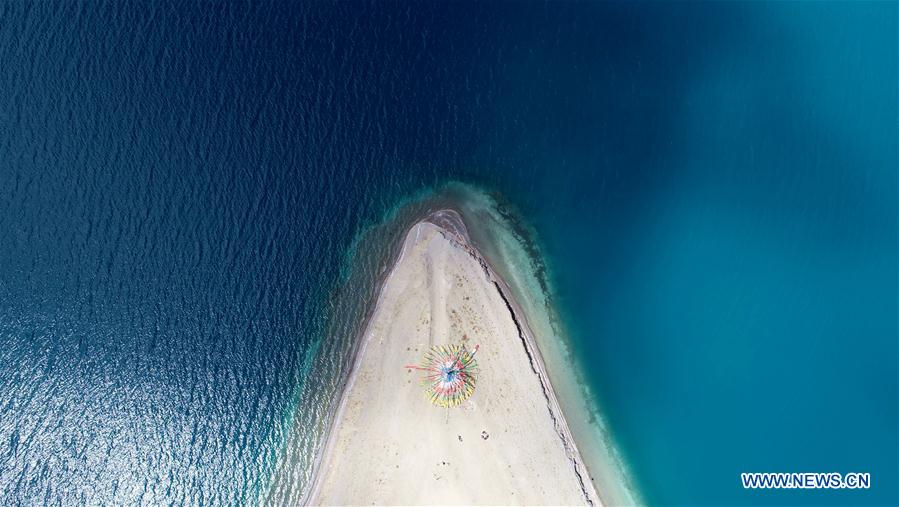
451 225
537 364
358 350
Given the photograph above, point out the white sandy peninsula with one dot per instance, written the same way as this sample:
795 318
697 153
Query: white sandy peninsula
507 444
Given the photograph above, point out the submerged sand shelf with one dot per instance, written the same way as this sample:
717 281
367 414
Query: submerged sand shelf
507 444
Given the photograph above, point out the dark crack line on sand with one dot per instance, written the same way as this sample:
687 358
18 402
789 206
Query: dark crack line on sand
565 444
569 452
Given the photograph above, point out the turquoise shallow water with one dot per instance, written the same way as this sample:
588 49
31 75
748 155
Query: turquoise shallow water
710 191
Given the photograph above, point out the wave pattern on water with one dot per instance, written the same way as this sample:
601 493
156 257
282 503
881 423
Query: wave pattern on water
185 190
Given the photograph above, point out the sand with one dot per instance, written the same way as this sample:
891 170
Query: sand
389 445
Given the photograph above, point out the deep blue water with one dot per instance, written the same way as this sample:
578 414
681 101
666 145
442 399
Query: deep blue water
714 188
